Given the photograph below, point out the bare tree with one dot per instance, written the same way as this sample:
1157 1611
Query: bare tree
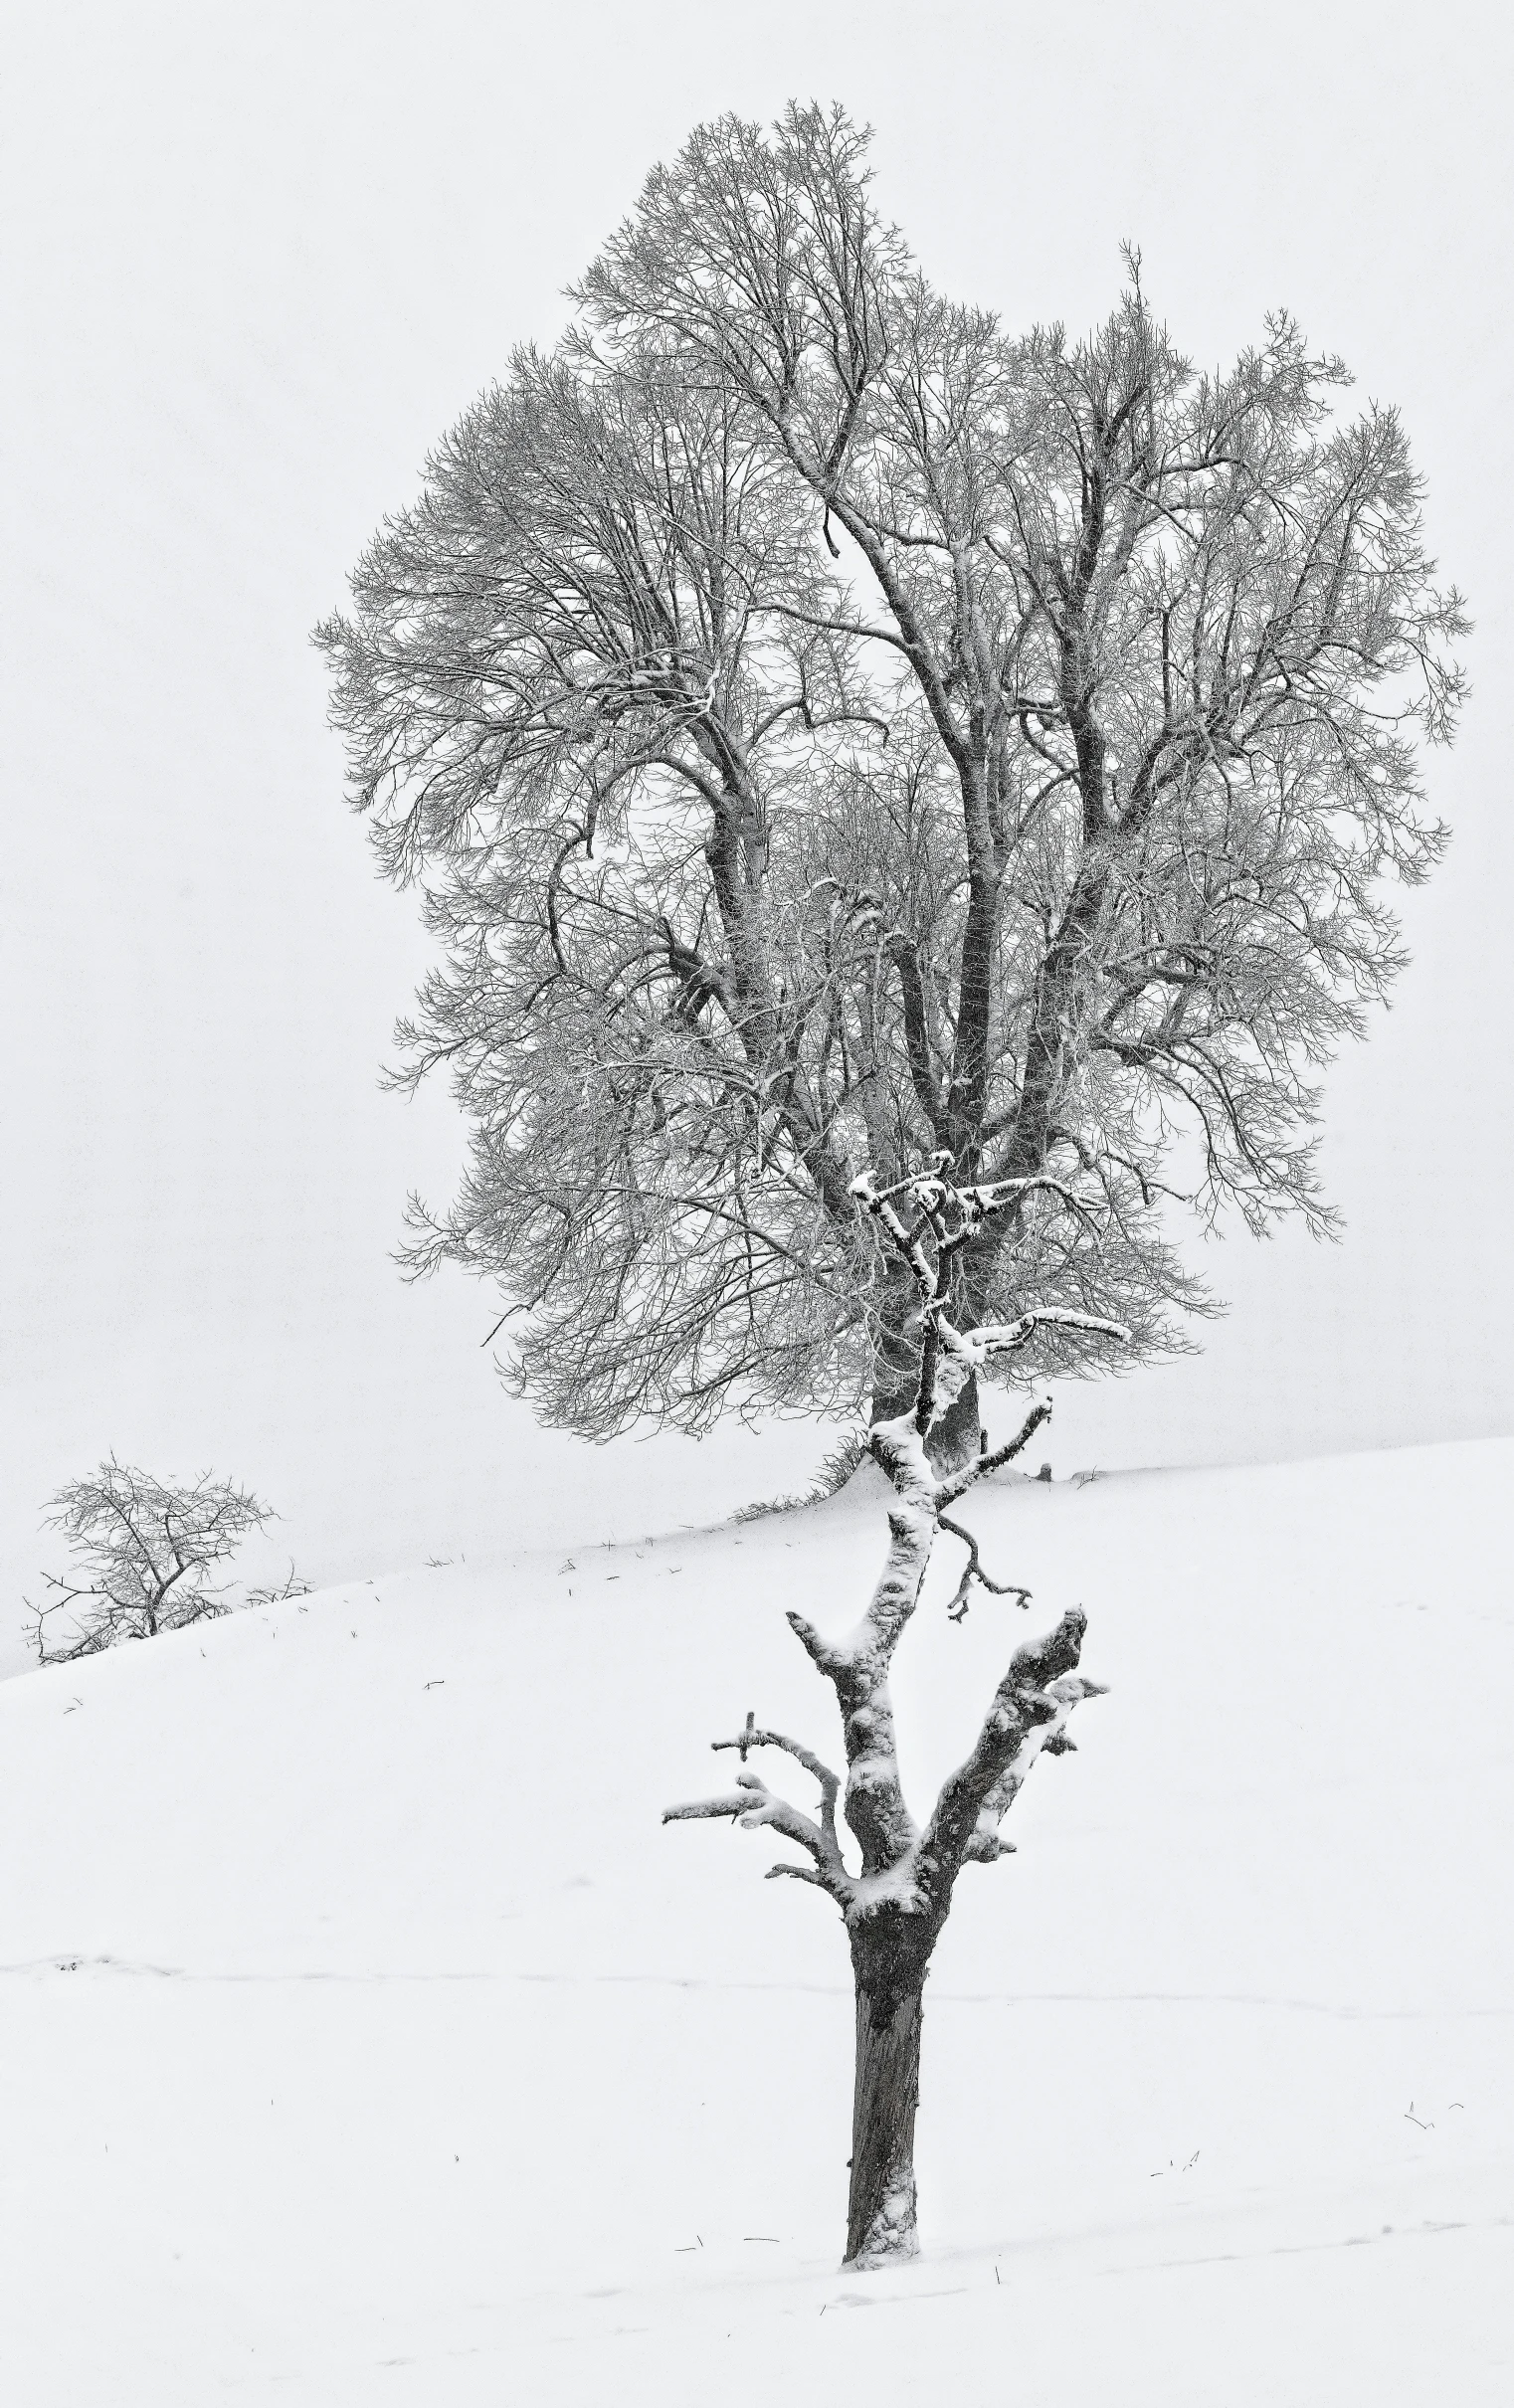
828 731
903 808
147 1550
895 1903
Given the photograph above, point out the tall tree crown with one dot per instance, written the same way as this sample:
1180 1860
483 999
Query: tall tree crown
832 735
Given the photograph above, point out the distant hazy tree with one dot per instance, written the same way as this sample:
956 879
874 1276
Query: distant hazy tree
859 762
145 1550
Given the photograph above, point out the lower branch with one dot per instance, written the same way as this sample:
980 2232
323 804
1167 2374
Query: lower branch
985 1845
1029 1711
949 1490
754 1806
956 1611
829 1785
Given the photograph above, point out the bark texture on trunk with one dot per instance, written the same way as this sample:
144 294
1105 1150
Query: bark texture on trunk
891 1950
958 1435
881 2211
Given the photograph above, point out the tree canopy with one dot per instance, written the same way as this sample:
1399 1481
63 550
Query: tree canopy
835 735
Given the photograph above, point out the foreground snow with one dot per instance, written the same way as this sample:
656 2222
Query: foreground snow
365 2039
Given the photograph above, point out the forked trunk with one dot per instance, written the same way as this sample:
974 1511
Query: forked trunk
880 2213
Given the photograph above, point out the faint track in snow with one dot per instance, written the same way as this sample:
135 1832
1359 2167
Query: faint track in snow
65 1962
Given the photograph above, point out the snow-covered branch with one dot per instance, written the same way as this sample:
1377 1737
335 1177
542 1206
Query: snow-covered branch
857 1662
829 1781
948 1215
949 1490
1028 1717
1006 1337
755 1806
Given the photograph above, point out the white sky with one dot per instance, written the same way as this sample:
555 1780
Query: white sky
257 260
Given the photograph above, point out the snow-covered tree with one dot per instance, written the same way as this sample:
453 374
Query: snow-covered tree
827 730
903 808
895 1903
145 1552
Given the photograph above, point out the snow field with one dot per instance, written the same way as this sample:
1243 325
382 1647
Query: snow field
366 2039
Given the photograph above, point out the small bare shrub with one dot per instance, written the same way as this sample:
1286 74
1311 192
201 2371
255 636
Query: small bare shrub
145 1550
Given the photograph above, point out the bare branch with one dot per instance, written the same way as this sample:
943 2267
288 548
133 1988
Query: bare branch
755 1806
973 1570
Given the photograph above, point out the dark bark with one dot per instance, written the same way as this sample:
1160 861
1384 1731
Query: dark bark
897 1365
1055 1018
955 1437
890 1969
972 1054
955 1440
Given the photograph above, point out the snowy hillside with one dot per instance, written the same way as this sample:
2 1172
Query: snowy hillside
366 2039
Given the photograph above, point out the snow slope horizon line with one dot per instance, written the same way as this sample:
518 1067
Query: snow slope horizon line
754 1517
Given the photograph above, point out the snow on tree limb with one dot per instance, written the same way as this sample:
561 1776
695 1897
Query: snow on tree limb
1006 1337
753 1738
1043 1685
948 1215
829 1781
949 1490
1032 1701
755 1807
1028 1718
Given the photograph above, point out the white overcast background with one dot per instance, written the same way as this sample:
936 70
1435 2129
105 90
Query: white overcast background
257 259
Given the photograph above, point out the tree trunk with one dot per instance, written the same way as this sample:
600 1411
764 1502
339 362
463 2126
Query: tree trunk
955 1438
880 2212
958 1435
896 1368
